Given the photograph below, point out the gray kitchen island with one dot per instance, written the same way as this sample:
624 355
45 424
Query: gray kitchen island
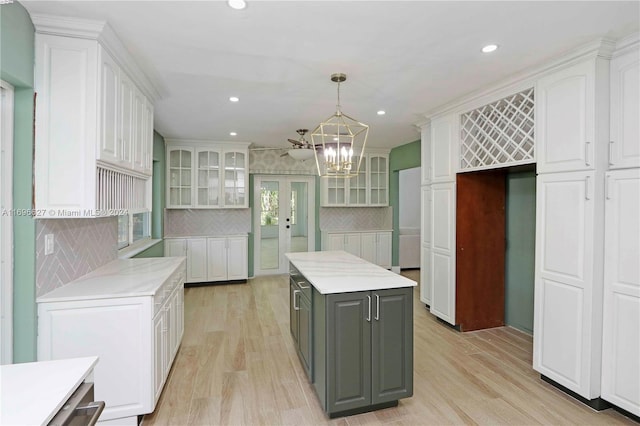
352 324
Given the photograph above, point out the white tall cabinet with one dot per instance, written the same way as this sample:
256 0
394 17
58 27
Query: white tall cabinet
571 137
621 299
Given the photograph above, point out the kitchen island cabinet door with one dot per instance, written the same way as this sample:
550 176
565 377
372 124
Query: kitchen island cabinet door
348 351
391 345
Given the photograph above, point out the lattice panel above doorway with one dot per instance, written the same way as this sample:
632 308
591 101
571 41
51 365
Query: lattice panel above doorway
499 134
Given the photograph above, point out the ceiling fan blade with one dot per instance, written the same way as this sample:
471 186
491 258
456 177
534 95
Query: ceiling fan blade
295 142
284 155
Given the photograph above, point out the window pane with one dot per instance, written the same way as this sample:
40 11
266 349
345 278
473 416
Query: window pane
123 231
141 228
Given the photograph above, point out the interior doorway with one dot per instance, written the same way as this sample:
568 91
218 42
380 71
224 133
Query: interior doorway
6 223
284 220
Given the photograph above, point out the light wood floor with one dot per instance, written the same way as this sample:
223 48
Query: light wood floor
237 366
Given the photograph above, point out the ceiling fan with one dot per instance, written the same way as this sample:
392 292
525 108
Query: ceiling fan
302 150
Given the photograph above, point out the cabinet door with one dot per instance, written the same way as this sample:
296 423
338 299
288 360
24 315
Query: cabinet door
624 144
392 345
148 137
443 256
235 179
368 247
383 249
159 341
208 177
425 229
443 149
564 119
565 316
179 179
352 244
357 185
109 138
196 260
180 311
621 316
333 191
305 335
216 255
378 180
334 242
425 275
348 351
175 247
294 296
237 258
127 117
138 133
425 154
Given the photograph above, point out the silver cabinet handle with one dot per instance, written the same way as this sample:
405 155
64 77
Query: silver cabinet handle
607 182
98 406
369 313
587 144
377 308
295 294
611 153
302 286
586 188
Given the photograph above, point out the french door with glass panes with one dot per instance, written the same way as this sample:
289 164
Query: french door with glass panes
284 221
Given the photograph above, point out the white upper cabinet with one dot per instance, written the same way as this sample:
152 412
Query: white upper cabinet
207 174
444 148
369 188
567 131
624 144
86 122
425 153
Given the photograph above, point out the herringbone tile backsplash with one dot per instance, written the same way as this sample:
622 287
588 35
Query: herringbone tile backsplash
355 218
205 222
81 245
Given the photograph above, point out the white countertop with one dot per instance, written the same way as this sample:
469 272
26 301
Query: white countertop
120 278
33 392
341 272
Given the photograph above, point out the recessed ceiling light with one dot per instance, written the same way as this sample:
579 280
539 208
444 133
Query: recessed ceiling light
233 134
237 4
381 112
234 99
489 48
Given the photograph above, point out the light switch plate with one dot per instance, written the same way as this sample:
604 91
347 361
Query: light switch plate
48 244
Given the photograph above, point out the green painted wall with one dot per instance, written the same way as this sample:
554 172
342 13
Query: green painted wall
156 250
16 67
158 191
400 158
520 254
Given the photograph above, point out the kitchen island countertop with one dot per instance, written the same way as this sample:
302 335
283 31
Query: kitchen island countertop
341 272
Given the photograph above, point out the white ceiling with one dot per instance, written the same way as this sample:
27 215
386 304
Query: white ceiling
405 57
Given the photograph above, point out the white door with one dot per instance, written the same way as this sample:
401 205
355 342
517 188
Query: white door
196 260
443 255
284 222
564 341
175 247
443 149
621 316
237 258
368 246
383 249
6 223
217 259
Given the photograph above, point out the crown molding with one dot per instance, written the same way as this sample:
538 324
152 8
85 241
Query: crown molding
102 32
627 44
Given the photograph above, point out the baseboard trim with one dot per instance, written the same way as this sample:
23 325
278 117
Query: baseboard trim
207 283
597 404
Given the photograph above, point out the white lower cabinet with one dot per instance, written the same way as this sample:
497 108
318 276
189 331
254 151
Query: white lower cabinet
621 316
425 246
567 341
372 246
135 330
442 263
212 259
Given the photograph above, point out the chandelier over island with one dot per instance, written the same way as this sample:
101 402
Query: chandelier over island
342 139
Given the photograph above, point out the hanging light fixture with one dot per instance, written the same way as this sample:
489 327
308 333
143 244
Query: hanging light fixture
342 139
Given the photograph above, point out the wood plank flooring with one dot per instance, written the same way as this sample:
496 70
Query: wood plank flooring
237 366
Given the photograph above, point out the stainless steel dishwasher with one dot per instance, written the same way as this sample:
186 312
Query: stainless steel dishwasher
80 409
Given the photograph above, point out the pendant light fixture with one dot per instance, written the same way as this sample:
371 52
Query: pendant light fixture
342 139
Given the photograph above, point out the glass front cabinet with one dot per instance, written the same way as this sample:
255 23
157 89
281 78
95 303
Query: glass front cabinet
369 188
203 174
